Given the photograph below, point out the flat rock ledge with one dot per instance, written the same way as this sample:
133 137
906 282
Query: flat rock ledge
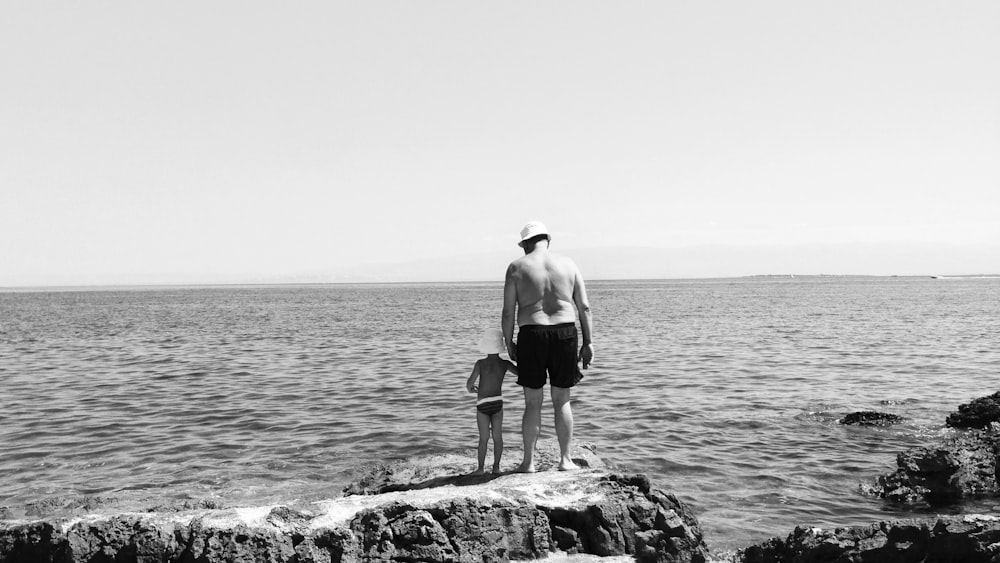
429 515
970 538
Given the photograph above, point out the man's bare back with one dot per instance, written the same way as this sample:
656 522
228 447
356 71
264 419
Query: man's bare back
544 285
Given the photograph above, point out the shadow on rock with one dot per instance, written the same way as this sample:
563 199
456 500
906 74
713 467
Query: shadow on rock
453 469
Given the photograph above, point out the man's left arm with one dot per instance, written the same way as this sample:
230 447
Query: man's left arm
508 316
583 310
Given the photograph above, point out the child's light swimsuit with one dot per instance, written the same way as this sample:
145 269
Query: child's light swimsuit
490 405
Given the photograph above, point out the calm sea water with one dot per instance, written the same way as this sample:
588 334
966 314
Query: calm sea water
726 392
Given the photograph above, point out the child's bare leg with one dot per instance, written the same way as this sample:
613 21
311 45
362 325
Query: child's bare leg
497 424
483 421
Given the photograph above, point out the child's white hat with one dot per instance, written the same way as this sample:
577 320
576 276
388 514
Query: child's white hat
491 342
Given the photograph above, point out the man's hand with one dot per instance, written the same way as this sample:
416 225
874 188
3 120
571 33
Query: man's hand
512 352
472 388
586 355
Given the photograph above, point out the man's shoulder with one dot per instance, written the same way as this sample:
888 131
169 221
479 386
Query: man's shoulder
565 263
517 264
563 258
530 262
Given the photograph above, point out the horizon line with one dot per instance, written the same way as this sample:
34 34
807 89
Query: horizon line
151 285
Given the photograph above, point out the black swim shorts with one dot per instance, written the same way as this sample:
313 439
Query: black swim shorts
547 348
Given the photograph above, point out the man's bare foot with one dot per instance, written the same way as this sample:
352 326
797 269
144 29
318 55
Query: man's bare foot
496 470
479 471
567 465
529 468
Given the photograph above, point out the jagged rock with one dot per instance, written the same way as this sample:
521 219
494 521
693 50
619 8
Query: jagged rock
961 467
979 413
439 517
34 541
968 538
126 536
871 418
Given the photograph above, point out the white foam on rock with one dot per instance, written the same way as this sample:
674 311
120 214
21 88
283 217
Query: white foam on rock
337 511
250 516
545 488
548 489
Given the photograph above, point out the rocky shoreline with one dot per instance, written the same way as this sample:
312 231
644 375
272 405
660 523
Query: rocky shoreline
961 467
424 509
428 509
966 538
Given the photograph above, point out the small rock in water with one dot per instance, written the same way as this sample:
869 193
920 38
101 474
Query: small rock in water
895 401
871 418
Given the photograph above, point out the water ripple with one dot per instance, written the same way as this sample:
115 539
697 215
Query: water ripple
725 391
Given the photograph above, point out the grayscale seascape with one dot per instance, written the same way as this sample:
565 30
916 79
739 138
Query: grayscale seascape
726 391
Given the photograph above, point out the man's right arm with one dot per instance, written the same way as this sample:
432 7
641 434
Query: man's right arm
583 309
508 316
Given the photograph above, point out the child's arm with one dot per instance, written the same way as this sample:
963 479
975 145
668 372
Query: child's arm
511 367
470 385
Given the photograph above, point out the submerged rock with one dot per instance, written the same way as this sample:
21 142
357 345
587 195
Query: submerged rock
436 516
968 538
979 413
871 418
961 467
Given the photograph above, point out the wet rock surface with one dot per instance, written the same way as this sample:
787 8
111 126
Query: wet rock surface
406 512
871 418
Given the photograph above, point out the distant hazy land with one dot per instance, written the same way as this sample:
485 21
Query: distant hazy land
886 259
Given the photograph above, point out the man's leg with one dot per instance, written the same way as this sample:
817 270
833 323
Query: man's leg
564 426
531 426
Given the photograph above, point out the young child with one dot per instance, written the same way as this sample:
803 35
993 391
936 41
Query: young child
490 372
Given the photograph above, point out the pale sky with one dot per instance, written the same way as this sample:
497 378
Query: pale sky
183 141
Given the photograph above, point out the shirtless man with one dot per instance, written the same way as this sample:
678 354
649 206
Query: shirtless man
540 291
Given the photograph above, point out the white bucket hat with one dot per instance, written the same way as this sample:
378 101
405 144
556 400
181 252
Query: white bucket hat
533 229
491 342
